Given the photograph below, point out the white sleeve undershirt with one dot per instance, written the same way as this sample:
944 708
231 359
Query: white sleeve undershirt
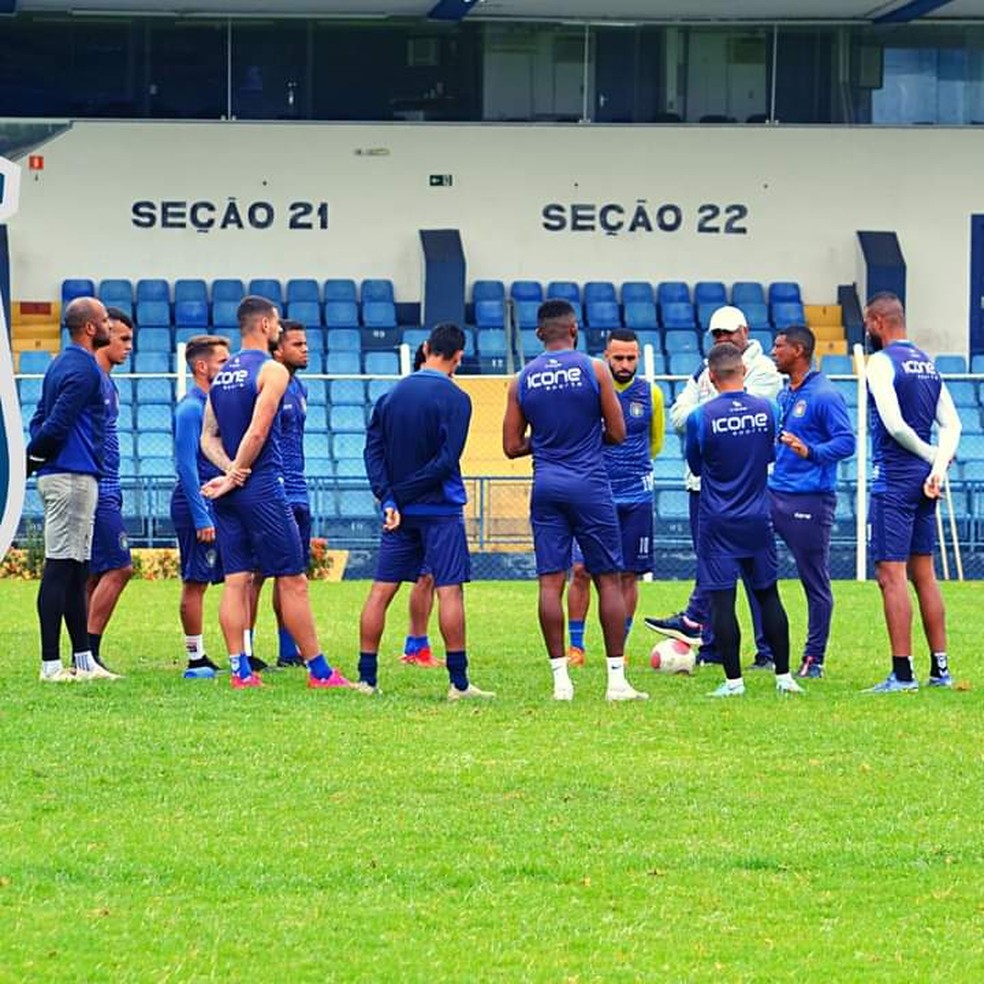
881 384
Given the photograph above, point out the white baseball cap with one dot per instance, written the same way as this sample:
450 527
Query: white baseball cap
728 318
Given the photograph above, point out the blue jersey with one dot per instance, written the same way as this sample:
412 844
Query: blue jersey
816 413
730 444
917 387
629 465
233 397
293 413
109 481
560 397
193 468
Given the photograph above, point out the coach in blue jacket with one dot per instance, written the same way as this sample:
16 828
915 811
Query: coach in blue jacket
68 432
815 433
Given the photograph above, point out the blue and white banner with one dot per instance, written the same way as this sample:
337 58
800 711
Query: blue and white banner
12 471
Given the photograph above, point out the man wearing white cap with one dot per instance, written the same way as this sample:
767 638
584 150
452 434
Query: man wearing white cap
728 324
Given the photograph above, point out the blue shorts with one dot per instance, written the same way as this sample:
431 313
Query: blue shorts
899 526
201 563
302 516
719 572
110 547
635 520
257 531
434 545
558 519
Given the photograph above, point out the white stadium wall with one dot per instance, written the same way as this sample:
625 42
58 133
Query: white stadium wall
650 203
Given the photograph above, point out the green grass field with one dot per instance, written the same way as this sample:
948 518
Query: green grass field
162 830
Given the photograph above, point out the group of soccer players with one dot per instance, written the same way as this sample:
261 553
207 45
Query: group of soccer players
241 511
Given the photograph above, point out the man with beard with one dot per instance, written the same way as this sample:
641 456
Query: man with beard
68 431
630 473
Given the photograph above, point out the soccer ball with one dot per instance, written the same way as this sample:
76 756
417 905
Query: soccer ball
672 656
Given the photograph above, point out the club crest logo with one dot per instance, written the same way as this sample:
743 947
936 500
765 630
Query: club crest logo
799 408
636 409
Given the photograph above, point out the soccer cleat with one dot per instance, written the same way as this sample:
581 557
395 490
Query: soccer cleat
726 690
893 685
64 675
788 686
257 665
368 689
563 691
98 672
810 669
625 691
471 692
575 657
198 673
283 662
423 658
676 627
763 663
334 682
245 683
943 681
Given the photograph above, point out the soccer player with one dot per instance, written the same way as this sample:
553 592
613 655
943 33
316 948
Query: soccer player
413 458
255 525
68 432
761 379
730 444
561 408
630 472
111 566
906 396
815 433
191 513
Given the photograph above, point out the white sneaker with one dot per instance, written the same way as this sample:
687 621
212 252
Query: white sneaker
97 673
787 685
366 688
64 675
563 690
472 693
726 690
625 691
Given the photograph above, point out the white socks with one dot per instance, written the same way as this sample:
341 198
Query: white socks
194 646
84 661
616 672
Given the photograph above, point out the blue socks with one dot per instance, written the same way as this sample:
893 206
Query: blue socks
576 630
240 666
288 648
368 663
414 644
318 667
457 663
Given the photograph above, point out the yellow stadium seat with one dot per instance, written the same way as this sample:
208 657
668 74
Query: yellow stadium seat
824 314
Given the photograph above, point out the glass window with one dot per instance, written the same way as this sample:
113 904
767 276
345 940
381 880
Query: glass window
271 70
185 69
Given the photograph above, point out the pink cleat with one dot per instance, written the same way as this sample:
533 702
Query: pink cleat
244 683
423 658
332 682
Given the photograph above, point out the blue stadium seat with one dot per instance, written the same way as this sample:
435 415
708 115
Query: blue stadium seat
673 504
153 289
640 315
351 468
154 391
227 290
525 313
316 356
837 365
659 363
319 467
34 361
667 470
846 387
710 292
124 419
375 289
29 391
786 313
155 466
303 290
190 290
125 306
757 316
677 314
76 287
704 312
490 314
347 418
488 290
563 290
153 339
317 391
414 338
604 314
316 445
652 338
784 292
596 291
977 364
347 391
963 391
125 438
382 364
344 340
153 417
347 446
595 340
379 314
224 314
492 343
747 292
152 361
376 339
526 290
307 312
672 292
947 364
357 504
116 292
377 387
191 314
124 387
341 290
764 338
637 291
578 313
342 364
683 363
529 345
341 314
152 314
970 420
267 287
